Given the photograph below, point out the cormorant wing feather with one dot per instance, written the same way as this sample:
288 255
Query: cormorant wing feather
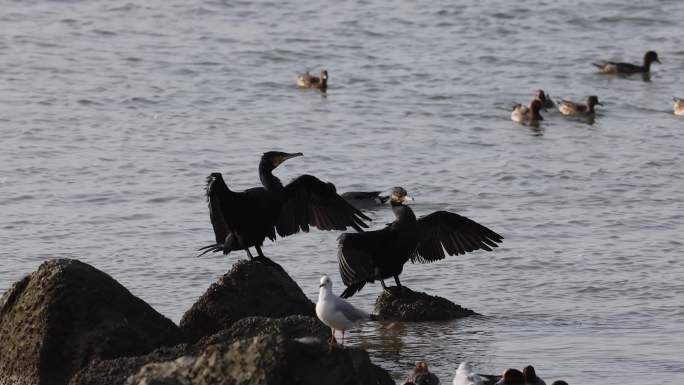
356 254
311 202
217 197
454 233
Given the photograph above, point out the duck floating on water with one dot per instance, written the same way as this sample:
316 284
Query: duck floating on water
527 114
531 376
306 80
244 219
381 254
545 98
678 106
365 199
512 377
421 376
575 109
609 67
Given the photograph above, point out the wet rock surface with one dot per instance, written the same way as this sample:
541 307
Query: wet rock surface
67 314
251 288
268 360
404 304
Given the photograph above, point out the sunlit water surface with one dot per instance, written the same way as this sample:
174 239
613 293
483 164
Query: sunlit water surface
113 113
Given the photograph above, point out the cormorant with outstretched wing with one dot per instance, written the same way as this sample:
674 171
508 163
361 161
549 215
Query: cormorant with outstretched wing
381 254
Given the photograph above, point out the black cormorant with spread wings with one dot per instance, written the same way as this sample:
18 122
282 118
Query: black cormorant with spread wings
244 219
381 254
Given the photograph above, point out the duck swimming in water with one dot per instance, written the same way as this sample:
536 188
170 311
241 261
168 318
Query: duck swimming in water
575 109
422 376
678 106
309 81
531 376
381 254
244 219
529 114
512 377
609 67
545 98
365 199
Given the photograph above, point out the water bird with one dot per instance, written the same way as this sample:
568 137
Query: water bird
545 98
512 377
306 80
531 376
678 106
421 375
525 114
380 254
365 199
609 67
244 219
337 313
466 376
575 109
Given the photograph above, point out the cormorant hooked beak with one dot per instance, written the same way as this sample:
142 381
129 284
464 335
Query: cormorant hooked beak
285 157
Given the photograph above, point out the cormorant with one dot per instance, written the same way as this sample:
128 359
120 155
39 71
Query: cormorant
380 254
244 219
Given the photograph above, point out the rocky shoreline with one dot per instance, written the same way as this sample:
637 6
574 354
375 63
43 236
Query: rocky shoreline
69 323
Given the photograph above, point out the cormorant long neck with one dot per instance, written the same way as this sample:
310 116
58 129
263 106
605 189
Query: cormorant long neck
403 212
268 180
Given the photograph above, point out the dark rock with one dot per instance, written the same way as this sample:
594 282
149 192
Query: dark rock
404 304
115 372
250 288
67 314
292 327
266 360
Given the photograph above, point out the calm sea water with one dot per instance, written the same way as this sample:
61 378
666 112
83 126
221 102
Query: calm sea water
113 113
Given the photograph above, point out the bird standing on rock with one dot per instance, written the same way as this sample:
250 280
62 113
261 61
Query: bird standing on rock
381 254
244 219
337 313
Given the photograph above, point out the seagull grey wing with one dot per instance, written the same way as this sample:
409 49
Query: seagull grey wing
454 233
350 312
312 202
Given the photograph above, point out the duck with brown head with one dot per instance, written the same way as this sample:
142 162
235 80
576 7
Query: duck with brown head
244 219
609 67
531 376
678 108
377 255
576 109
306 80
512 377
545 98
529 114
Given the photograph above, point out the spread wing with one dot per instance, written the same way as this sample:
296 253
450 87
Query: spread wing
310 202
454 233
356 253
217 197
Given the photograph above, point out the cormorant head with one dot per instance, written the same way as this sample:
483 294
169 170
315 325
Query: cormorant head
326 282
399 196
650 57
275 158
593 100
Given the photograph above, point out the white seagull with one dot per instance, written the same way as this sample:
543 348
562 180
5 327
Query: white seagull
466 376
337 313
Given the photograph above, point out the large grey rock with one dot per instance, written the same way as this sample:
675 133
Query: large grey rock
67 314
404 304
115 372
250 288
266 360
